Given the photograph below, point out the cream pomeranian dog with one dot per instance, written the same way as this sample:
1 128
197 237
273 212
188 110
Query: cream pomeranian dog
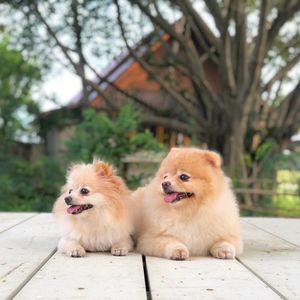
94 211
188 209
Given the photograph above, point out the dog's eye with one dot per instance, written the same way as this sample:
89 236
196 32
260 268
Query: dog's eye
184 177
70 191
165 176
84 191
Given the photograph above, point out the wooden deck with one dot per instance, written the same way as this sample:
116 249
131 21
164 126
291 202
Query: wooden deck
30 268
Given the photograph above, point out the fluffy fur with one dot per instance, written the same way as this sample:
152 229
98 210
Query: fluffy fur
202 220
104 226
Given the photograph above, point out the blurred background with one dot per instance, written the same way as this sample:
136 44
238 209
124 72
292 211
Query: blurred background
126 80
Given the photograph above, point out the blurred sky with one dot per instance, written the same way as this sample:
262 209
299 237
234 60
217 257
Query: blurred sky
63 87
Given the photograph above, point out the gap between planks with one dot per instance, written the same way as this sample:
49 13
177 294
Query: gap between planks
20 222
30 276
272 259
270 232
25 248
146 278
261 279
144 260
72 278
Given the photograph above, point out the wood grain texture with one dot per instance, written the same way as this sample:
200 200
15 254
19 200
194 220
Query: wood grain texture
276 261
96 276
23 249
8 220
286 229
204 278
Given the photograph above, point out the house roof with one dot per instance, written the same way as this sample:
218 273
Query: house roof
111 72
117 67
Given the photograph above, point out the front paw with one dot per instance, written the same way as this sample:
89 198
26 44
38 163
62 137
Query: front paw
177 252
223 251
118 251
76 251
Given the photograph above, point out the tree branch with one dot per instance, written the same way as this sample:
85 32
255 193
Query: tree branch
192 57
226 53
260 47
287 12
215 11
282 72
202 27
199 36
169 123
63 48
81 63
69 58
121 91
247 92
240 42
289 110
189 108
161 22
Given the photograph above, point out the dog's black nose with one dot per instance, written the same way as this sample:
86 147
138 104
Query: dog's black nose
68 200
166 185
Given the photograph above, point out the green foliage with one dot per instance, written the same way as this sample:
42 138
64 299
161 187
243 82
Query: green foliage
28 186
279 173
264 149
16 104
248 160
24 185
60 118
145 141
109 138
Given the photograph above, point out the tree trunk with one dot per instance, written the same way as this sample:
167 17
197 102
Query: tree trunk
234 158
235 148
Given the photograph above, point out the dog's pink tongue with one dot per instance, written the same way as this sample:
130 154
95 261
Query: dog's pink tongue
73 208
170 197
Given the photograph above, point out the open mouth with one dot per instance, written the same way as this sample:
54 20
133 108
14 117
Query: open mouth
78 209
172 197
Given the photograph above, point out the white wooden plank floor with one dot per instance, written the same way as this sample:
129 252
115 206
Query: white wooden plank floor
30 268
204 278
97 276
23 249
12 219
275 260
286 229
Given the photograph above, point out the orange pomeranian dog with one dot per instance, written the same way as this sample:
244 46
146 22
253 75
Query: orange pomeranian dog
188 209
94 211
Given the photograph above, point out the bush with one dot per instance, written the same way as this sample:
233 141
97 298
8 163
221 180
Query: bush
29 186
109 138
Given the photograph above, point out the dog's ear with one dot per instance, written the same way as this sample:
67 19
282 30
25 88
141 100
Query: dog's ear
213 158
103 168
